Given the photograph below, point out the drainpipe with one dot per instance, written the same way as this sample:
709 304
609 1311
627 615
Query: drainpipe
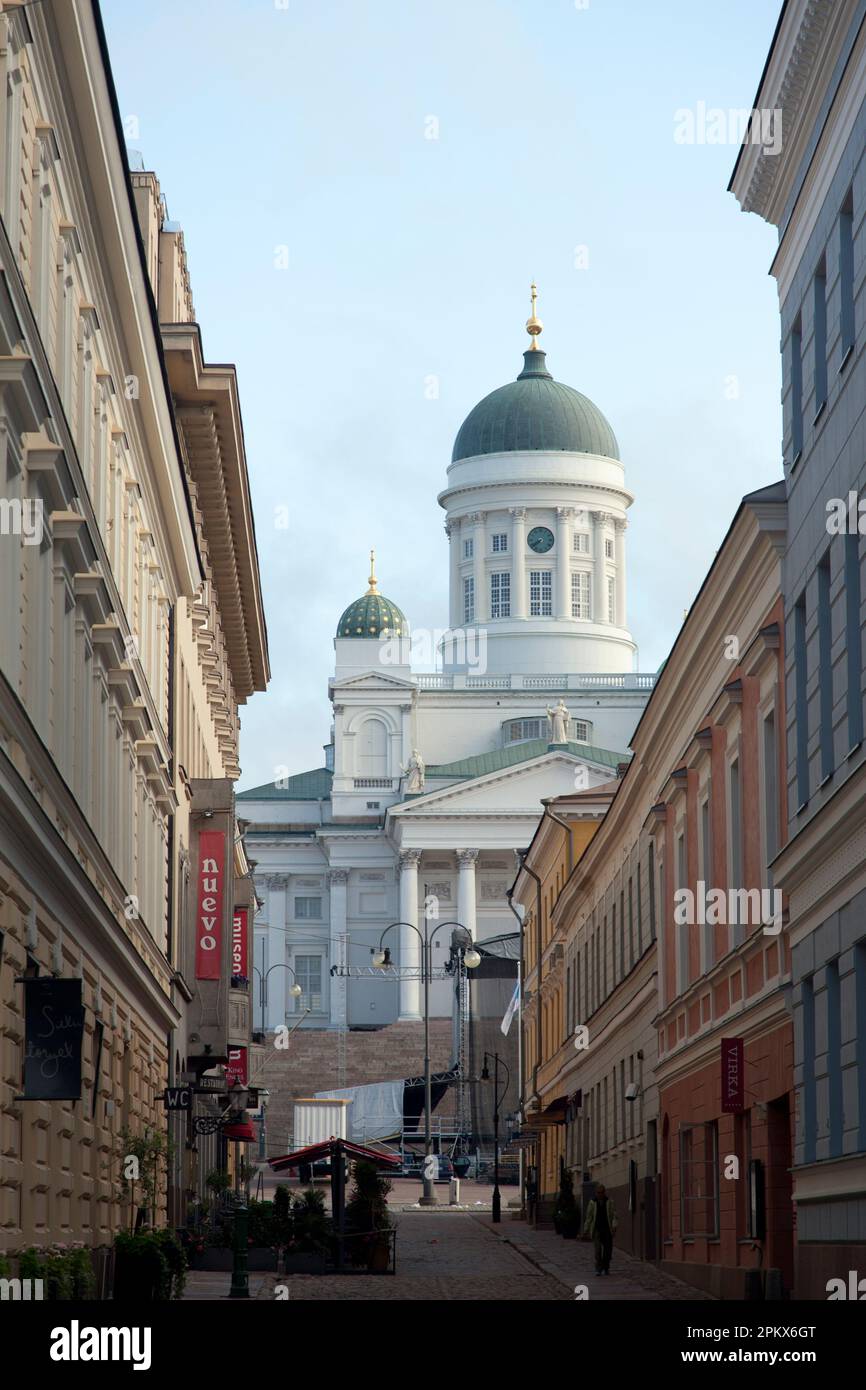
520 1157
545 801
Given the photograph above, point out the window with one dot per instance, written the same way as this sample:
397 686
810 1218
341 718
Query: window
540 593
500 595
581 542
846 275
707 873
308 909
699 1180
469 600
736 840
771 791
651 871
500 542
308 973
854 643
796 363
580 607
825 668
801 702
608 548
819 293
468 550
611 600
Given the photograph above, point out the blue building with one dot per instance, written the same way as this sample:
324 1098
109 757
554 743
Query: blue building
811 185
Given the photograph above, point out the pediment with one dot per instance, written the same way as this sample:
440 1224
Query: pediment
514 789
371 680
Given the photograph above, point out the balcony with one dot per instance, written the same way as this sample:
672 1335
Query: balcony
595 682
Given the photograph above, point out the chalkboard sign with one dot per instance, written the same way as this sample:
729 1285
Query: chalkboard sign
53 1031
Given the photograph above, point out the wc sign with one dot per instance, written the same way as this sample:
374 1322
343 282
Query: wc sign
210 889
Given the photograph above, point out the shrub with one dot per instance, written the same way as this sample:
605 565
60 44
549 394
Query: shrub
150 1266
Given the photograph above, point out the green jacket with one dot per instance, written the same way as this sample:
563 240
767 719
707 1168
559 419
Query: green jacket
589 1223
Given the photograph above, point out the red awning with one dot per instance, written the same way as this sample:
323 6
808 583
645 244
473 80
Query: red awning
327 1148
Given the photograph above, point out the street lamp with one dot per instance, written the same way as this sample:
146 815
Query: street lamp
382 960
295 990
497 1101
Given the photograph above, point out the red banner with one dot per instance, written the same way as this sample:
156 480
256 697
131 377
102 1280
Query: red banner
209 904
733 1076
236 1066
240 941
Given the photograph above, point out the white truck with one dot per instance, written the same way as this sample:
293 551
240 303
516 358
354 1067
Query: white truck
317 1121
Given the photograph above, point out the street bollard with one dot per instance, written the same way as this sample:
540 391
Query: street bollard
454 1192
240 1273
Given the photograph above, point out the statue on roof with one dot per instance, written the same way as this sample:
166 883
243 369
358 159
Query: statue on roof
559 717
414 772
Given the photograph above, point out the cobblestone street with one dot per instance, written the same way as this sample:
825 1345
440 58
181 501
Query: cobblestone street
454 1256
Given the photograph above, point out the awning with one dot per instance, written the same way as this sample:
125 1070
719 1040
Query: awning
327 1148
554 1112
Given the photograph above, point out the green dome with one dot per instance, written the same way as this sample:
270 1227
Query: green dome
372 616
535 412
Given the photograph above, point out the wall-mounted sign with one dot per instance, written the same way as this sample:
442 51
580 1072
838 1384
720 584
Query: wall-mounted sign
733 1076
53 1031
209 904
177 1097
240 941
236 1066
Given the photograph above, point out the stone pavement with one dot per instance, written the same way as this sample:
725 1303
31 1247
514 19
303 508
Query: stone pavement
445 1256
572 1263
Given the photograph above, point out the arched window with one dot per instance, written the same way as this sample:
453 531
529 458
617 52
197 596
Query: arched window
373 749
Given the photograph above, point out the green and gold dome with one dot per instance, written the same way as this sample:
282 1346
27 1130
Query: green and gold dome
373 615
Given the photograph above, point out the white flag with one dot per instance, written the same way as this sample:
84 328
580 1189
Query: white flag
511 1010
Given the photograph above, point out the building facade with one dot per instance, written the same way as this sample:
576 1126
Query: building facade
814 192
105 573
653 983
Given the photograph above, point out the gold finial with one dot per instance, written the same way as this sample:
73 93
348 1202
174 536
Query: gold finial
372 588
533 323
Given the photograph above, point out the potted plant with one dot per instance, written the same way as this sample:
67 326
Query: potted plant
368 1219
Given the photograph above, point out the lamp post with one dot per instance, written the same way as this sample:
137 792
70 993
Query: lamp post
295 991
497 1101
235 1127
382 960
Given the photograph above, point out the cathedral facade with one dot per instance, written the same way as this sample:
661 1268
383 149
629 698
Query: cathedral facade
433 781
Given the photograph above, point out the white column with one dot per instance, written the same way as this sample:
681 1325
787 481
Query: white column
410 942
619 554
518 562
338 881
599 572
482 600
466 860
563 561
278 950
452 530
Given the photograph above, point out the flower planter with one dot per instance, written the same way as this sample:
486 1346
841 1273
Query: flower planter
221 1257
304 1262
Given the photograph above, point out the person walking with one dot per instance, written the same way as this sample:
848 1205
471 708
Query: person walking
600 1225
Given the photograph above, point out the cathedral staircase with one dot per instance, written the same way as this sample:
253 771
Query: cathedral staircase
310 1063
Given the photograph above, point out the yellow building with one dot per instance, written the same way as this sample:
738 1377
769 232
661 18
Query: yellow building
564 831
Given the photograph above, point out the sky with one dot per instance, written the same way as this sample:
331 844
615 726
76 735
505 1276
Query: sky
367 189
